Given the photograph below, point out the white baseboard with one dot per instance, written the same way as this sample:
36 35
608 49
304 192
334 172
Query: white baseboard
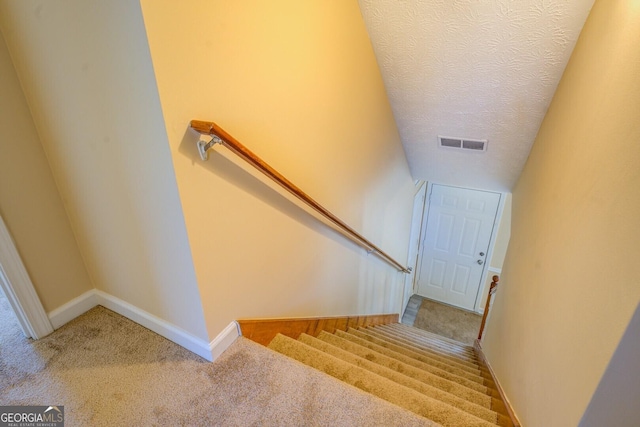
74 308
94 297
224 339
156 324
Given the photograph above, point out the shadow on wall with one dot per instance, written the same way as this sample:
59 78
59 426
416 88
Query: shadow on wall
331 274
236 175
615 402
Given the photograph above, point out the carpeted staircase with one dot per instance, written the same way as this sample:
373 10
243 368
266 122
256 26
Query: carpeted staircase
432 376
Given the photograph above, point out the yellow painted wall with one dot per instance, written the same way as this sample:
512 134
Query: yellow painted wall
298 83
570 280
87 76
29 200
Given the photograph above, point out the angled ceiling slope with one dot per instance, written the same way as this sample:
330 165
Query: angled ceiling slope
483 69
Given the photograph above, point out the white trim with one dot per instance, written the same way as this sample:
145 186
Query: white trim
224 339
94 297
492 244
495 270
18 288
423 231
413 252
74 308
157 325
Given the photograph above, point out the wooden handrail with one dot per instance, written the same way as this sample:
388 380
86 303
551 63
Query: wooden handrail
492 290
212 129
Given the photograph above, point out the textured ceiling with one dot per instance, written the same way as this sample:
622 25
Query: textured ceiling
478 69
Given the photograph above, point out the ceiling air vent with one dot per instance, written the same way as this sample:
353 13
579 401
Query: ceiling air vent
462 143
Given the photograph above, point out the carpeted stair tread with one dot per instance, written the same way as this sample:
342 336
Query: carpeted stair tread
420 341
418 354
441 355
467 352
419 371
429 338
481 375
402 379
474 385
384 388
419 335
429 343
474 367
455 355
479 378
414 372
431 335
428 335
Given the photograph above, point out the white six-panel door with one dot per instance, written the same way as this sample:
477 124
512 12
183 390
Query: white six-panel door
459 225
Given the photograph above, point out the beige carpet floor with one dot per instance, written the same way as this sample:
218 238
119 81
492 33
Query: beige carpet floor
448 321
109 371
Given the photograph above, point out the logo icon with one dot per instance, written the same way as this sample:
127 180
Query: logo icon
32 416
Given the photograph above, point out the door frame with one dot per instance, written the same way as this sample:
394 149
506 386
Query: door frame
492 240
18 288
414 248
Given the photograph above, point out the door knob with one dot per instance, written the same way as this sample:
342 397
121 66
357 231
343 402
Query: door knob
480 262
481 253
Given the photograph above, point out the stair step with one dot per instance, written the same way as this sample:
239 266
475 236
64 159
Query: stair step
430 338
438 354
435 393
469 373
411 344
420 371
474 385
434 345
429 334
420 336
435 341
402 396
414 372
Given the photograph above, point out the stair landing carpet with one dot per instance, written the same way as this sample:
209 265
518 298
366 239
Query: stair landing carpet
436 378
108 371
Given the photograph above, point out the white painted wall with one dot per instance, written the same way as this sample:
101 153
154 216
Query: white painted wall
30 203
298 83
569 284
89 82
